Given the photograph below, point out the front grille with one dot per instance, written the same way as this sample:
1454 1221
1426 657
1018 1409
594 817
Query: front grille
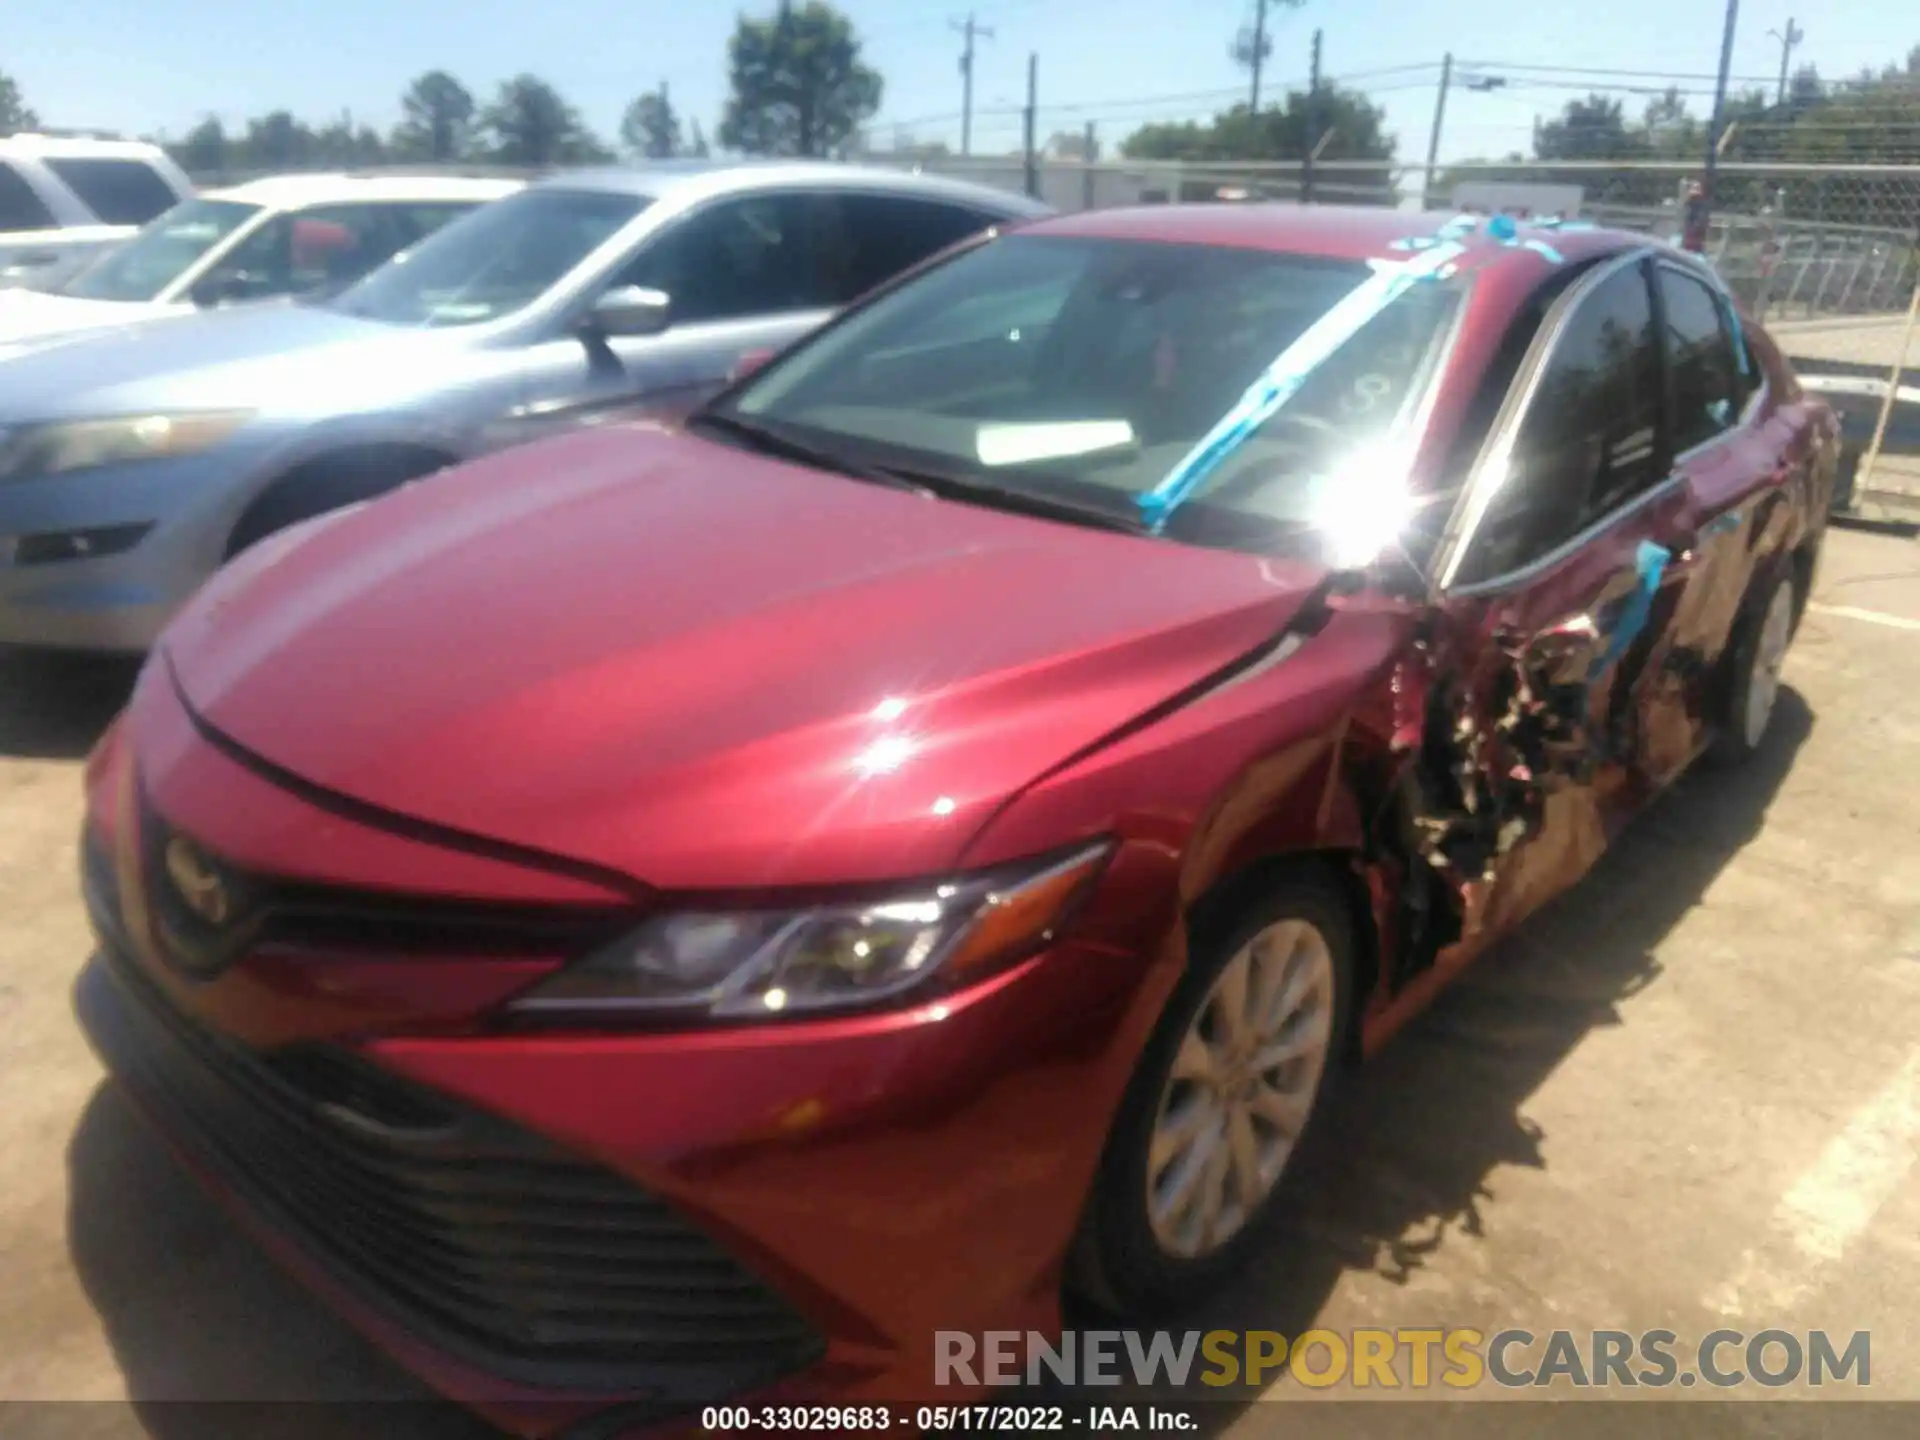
497 1247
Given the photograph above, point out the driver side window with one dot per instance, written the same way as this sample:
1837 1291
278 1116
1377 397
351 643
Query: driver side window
303 251
1590 440
735 259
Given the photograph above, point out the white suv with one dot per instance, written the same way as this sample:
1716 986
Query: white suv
62 198
290 235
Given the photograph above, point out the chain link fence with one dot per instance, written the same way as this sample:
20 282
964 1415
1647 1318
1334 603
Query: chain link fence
1793 241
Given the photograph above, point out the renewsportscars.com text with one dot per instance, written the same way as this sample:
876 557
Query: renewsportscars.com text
1406 1358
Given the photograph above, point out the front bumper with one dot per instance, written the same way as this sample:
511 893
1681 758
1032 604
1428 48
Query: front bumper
834 1192
116 602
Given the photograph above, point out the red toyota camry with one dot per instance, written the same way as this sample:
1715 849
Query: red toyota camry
677 914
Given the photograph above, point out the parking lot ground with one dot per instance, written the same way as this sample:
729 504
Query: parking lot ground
1686 1098
1871 340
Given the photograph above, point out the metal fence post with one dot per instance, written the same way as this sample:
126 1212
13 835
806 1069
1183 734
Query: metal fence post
1033 94
1087 147
1863 477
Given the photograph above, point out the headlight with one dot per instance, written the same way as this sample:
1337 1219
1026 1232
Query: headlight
52 449
757 963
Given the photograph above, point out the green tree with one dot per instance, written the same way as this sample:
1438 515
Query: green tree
650 130
1671 133
341 144
437 113
277 141
1591 129
799 86
697 142
529 124
204 150
1349 128
14 114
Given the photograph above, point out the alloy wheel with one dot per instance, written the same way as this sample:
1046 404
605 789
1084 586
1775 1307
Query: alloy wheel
1241 1089
1769 655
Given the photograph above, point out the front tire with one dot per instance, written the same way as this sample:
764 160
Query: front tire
1758 658
1229 1089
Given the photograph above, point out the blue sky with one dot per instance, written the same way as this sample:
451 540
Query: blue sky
160 65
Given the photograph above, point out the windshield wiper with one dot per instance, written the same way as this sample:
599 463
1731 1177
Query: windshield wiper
777 440
769 440
1026 502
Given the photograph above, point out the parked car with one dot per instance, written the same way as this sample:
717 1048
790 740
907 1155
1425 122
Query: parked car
1858 392
686 911
64 198
136 461
289 235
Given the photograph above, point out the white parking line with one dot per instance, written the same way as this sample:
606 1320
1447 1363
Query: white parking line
1872 617
1833 1202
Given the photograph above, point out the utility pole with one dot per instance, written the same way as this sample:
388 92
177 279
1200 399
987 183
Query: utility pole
1031 115
1313 124
1696 230
1259 52
1439 119
972 32
1792 37
1089 151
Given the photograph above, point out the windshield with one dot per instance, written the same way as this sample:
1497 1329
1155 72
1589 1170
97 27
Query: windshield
1106 373
489 264
161 253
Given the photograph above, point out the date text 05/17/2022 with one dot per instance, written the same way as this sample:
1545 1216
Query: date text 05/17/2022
949 1419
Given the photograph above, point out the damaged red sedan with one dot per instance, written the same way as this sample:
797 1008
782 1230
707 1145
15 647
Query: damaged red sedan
682 913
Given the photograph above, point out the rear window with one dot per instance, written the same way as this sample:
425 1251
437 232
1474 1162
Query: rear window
120 192
20 207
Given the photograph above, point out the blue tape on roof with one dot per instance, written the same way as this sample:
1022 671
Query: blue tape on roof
1501 229
1739 339
1281 380
1650 563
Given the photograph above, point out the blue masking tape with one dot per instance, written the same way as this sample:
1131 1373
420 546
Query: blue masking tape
1458 228
1650 563
1739 339
1281 380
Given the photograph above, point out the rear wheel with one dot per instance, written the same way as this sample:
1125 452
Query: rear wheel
1758 659
1229 1089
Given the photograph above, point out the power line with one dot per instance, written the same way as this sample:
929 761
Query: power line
1631 74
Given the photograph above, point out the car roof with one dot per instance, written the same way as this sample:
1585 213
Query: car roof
700 179
1333 232
76 147
293 192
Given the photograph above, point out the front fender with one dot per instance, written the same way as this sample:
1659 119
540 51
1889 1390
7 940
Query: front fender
1261 766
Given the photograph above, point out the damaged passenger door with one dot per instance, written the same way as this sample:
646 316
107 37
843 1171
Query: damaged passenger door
1730 456
1556 582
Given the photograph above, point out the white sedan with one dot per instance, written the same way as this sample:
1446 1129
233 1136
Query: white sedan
290 235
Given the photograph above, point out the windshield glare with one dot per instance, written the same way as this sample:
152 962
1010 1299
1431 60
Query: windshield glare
493 262
1090 369
161 253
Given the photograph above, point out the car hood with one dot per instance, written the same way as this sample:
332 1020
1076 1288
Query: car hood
701 668
289 357
28 314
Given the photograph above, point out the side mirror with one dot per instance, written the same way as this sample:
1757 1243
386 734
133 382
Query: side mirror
628 312
750 361
219 288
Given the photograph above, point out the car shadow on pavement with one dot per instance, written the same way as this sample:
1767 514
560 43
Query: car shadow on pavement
195 1313
1403 1165
54 706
